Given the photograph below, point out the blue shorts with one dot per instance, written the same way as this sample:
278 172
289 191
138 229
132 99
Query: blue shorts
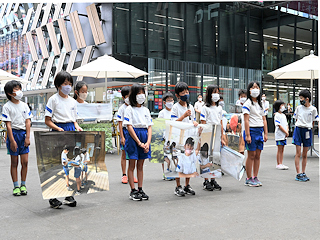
281 142
65 126
256 134
85 168
77 172
299 137
19 136
125 132
132 149
66 170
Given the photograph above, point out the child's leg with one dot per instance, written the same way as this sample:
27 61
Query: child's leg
187 181
178 182
140 172
249 163
78 183
123 162
256 162
297 158
168 162
162 167
280 152
304 158
14 168
67 180
86 176
24 166
131 167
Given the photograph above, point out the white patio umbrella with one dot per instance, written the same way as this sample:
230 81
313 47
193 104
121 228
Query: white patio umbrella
5 77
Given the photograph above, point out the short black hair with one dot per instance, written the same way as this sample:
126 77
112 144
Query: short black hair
305 93
83 150
135 89
205 147
199 95
8 88
242 91
125 90
180 87
61 77
167 95
190 141
66 147
78 86
277 104
209 92
76 151
221 97
250 85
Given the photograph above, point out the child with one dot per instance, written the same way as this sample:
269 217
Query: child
184 112
165 113
242 97
255 133
64 162
123 132
305 115
205 165
187 162
212 113
198 106
85 159
166 150
138 121
281 132
77 168
81 92
16 114
60 115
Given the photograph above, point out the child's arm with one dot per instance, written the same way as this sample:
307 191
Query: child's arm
50 124
246 127
186 114
13 144
181 175
283 130
134 136
147 144
265 129
77 127
27 139
222 135
122 139
205 166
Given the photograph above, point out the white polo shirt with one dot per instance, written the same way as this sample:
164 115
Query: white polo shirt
16 114
137 117
178 110
280 120
212 114
61 110
187 164
255 113
198 105
204 161
121 111
305 116
164 113
64 158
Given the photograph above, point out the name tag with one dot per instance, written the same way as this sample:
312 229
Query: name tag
307 135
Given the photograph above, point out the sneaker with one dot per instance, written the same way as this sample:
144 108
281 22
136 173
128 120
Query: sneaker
135 196
124 179
170 178
77 192
257 181
16 191
163 176
23 190
55 203
70 201
188 190
285 167
179 191
215 185
69 188
143 195
135 180
301 178
308 179
207 186
250 182
282 167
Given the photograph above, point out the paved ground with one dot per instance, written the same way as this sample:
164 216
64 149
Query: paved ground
281 209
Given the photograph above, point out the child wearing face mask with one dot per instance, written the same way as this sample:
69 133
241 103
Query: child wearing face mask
256 132
61 115
242 97
198 106
16 114
281 132
165 113
305 115
211 113
138 121
81 92
123 132
184 112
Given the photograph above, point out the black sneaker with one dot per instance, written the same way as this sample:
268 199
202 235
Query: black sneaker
179 191
215 185
70 201
143 195
189 190
135 196
55 203
207 186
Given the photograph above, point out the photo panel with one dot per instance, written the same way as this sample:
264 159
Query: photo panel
79 156
158 140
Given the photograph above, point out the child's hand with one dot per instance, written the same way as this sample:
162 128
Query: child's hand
209 164
248 139
142 145
187 113
13 146
146 148
195 174
27 142
199 130
123 141
223 143
60 129
287 134
79 129
265 137
195 123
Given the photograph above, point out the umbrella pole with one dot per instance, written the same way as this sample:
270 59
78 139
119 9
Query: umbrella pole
106 84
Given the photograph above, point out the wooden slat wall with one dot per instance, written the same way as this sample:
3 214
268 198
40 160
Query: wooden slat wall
60 63
71 61
28 72
86 57
32 46
53 38
47 72
95 24
77 30
36 16
67 9
26 21
42 43
46 14
3 11
64 34
36 73
57 10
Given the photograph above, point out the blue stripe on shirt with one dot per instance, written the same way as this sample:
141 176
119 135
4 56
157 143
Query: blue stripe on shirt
127 119
246 108
119 116
317 116
173 116
29 113
178 167
202 115
4 115
48 109
278 121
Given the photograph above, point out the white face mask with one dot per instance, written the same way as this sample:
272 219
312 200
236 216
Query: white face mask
19 95
126 100
255 92
66 89
282 108
83 96
215 97
243 99
263 98
200 99
140 98
169 104
221 103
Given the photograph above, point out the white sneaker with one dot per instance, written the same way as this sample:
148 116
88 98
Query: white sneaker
279 166
285 167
